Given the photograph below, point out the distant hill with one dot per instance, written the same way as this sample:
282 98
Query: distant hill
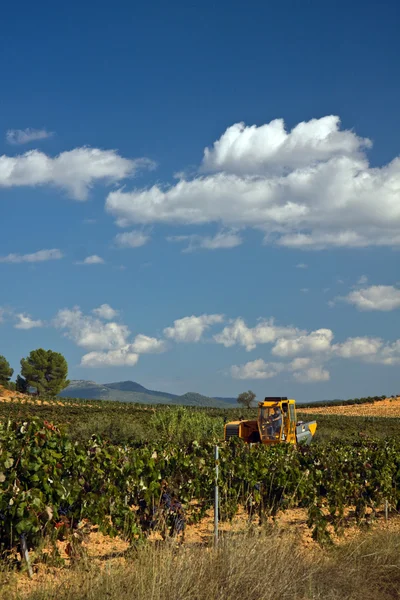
131 391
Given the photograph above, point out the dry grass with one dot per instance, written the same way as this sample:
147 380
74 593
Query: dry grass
255 567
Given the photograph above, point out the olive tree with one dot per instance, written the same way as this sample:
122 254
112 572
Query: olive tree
246 398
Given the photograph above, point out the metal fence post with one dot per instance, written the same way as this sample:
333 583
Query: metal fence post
25 554
216 495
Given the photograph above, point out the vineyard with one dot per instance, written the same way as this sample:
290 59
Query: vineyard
76 472
50 484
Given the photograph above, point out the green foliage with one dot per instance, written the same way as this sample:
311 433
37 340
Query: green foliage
127 423
6 372
246 398
48 484
46 371
182 425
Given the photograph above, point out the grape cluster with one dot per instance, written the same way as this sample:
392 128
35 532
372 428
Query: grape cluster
168 517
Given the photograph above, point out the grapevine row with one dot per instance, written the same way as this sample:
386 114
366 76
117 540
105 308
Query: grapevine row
48 483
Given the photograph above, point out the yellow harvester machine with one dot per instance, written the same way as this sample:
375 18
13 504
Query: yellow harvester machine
276 423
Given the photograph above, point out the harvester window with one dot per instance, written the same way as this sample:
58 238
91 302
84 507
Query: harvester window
270 422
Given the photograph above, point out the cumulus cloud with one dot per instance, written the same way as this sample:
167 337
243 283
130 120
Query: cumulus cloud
256 369
318 341
369 349
107 340
308 188
91 333
270 148
122 357
389 354
24 136
40 256
300 363
265 332
91 260
375 297
358 347
222 240
308 350
75 171
131 239
143 344
26 322
105 311
191 329
312 375
302 370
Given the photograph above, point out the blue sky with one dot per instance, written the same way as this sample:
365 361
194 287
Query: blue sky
269 261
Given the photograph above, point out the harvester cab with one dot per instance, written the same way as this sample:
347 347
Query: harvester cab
276 423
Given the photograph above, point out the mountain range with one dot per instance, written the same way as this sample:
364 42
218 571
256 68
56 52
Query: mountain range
130 391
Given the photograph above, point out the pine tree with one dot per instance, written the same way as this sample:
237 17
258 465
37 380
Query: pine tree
21 385
6 372
46 371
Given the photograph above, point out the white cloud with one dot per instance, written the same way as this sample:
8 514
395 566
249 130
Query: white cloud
302 370
388 355
368 349
108 341
25 322
358 347
222 240
91 333
315 342
362 280
265 332
311 188
375 297
122 357
299 364
131 239
40 256
312 375
24 136
91 260
256 369
309 350
304 290
143 344
270 148
105 311
191 329
302 266
75 171
2 313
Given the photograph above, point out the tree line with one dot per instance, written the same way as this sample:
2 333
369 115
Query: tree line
43 372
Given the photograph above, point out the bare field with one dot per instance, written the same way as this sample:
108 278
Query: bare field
383 408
